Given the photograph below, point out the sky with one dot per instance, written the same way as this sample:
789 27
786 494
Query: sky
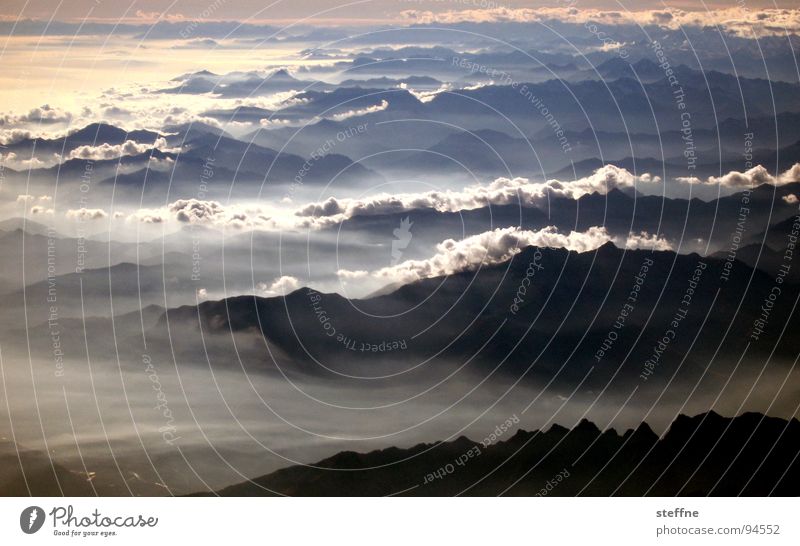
451 163
332 11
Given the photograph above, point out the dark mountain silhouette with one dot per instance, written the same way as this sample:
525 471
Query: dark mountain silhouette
245 158
27 472
493 151
615 68
247 114
719 162
241 84
559 322
607 103
314 103
36 244
163 174
94 134
417 82
750 455
407 133
772 250
30 226
777 235
177 135
688 224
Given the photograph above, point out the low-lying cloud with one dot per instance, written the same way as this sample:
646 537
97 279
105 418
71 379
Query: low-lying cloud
114 151
503 191
384 104
279 287
739 21
498 246
84 214
750 178
45 115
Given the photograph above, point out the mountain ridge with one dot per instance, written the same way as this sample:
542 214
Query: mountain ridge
582 460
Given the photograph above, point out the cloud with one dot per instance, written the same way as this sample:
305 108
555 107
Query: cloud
790 199
324 214
113 151
84 214
645 241
503 191
740 21
116 112
318 215
26 199
39 209
272 123
278 287
183 117
148 216
13 161
195 211
347 274
155 16
211 213
13 136
792 174
488 248
750 178
362 111
498 246
44 114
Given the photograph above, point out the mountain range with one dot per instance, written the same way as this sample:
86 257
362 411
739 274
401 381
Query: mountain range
707 454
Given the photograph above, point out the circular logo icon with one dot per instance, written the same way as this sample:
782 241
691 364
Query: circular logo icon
31 519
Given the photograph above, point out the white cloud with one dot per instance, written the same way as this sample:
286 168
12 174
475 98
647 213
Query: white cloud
347 274
148 216
274 101
13 161
645 241
195 211
211 213
278 287
740 21
84 214
362 111
428 96
38 203
498 246
332 211
750 178
272 123
44 114
113 151
488 248
790 199
39 209
790 175
503 191
13 136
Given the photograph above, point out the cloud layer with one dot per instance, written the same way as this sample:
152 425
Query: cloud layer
497 246
740 21
750 178
503 191
113 151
